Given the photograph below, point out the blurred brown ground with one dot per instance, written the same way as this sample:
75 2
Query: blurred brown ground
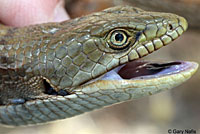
175 109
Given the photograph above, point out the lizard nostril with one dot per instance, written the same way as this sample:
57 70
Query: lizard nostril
170 27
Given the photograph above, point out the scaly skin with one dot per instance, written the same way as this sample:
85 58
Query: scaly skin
69 55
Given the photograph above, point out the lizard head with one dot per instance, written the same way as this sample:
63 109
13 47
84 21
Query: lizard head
105 40
101 44
105 48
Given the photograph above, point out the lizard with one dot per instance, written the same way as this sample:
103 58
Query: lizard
59 70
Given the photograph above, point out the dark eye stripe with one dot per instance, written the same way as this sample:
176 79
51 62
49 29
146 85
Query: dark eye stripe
137 35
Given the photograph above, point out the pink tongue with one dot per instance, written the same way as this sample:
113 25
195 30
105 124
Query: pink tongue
141 68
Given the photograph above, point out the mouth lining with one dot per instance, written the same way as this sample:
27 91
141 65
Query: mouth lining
146 70
142 69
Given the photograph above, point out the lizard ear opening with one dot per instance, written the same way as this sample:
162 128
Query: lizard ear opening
51 91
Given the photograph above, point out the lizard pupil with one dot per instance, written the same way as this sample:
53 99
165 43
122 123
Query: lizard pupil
119 37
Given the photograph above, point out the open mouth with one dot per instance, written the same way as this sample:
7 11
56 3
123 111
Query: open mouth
135 70
145 69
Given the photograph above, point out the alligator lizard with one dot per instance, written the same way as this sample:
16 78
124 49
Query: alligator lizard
58 70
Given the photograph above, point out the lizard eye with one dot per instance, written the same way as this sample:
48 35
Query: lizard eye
118 39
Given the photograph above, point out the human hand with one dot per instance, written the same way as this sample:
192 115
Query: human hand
26 12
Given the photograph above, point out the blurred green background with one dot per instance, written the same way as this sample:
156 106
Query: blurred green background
175 109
